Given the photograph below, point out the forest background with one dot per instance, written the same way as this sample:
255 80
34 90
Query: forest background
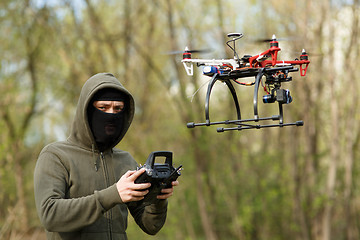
280 183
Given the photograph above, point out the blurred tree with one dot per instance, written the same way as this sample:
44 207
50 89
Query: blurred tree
20 86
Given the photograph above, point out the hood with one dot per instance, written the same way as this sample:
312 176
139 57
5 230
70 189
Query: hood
80 133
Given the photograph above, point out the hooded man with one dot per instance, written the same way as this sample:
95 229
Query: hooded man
82 185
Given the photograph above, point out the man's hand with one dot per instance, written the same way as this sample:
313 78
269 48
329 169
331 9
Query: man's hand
168 192
130 191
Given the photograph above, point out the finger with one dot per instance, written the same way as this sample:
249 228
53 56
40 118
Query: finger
129 173
167 190
140 193
141 186
137 173
135 199
175 183
164 196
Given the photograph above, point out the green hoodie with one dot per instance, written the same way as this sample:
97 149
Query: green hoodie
75 184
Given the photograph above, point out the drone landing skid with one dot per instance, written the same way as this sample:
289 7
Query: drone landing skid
243 124
249 126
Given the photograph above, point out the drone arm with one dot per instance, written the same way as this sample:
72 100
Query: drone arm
260 59
274 57
302 63
188 63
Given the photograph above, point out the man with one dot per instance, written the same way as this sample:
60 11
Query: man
83 184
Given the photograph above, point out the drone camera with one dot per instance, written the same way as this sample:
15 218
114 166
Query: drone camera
282 96
270 98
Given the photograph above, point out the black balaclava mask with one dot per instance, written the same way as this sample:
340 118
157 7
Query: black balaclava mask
106 127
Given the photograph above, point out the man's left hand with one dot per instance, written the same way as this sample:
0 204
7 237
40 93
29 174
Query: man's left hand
168 192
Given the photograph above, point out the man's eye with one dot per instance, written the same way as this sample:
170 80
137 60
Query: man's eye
119 108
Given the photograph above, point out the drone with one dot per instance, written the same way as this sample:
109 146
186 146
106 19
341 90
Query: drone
262 65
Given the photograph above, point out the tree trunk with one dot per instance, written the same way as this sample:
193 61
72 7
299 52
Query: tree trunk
206 221
334 145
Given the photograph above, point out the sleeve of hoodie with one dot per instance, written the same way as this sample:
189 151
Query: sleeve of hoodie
150 218
56 212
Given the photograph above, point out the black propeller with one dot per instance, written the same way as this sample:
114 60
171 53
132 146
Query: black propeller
189 51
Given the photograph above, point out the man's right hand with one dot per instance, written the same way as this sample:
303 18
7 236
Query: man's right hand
130 191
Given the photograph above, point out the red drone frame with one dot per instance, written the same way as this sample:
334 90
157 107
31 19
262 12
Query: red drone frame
273 52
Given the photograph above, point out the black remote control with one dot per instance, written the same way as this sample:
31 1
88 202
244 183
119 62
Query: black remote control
160 175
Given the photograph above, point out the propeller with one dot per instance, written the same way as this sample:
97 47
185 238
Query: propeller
309 53
189 51
266 40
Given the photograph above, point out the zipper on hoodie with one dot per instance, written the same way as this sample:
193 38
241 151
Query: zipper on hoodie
94 157
107 181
